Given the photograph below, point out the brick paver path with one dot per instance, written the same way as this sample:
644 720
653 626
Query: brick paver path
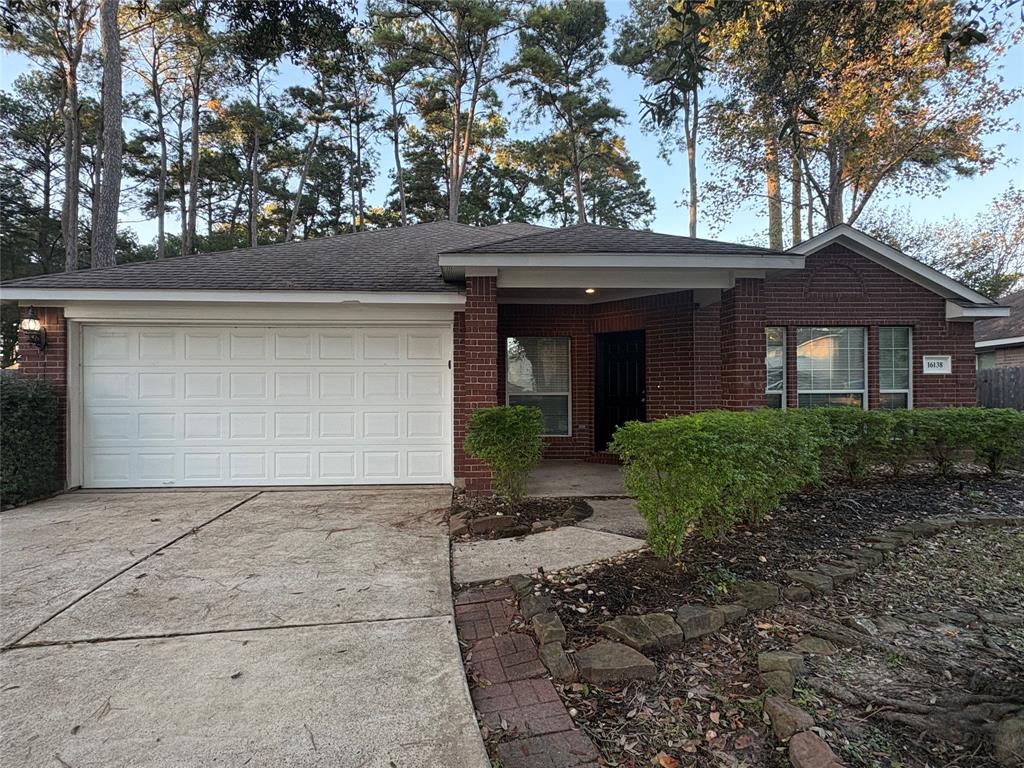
510 687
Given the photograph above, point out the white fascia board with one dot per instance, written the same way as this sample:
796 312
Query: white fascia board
58 296
457 263
891 258
676 279
258 314
1009 341
959 313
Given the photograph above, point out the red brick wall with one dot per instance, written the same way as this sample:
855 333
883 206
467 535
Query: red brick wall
50 364
742 345
840 287
475 365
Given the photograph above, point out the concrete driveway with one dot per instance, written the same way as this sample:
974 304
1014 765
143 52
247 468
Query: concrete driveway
275 628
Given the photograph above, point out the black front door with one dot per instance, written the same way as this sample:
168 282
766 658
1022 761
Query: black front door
620 386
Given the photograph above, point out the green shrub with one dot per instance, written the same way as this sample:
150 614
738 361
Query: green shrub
28 440
904 441
998 437
508 439
708 471
855 440
945 433
711 470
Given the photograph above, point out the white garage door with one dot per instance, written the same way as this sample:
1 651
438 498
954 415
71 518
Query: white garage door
204 405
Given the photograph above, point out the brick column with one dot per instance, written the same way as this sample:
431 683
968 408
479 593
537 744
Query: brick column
707 357
476 371
743 374
50 364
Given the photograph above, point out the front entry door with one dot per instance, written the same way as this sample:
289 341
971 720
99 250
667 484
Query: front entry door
620 386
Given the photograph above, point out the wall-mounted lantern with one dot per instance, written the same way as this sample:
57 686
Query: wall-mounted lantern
35 334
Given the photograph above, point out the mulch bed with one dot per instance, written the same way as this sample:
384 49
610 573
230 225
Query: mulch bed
823 521
527 516
704 708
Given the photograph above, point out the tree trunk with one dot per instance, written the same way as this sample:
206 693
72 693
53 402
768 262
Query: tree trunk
454 177
795 195
254 190
690 122
810 207
109 202
189 244
577 182
94 191
44 220
834 207
774 192
359 169
302 182
72 160
161 190
399 176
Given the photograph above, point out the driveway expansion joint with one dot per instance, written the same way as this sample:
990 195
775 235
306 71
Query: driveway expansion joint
228 631
16 643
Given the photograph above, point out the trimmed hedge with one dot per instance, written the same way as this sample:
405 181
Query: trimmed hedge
28 448
508 439
709 471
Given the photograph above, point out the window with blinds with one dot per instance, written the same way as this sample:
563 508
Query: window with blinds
537 374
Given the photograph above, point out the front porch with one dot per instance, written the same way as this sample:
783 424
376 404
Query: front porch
576 478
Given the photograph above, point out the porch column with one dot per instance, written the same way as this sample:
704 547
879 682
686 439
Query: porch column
476 371
743 348
50 364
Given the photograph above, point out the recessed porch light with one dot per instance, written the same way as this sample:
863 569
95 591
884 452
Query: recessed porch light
589 291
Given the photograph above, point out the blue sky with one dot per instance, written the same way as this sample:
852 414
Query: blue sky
964 197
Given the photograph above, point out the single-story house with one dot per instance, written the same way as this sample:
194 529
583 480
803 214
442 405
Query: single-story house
999 341
359 358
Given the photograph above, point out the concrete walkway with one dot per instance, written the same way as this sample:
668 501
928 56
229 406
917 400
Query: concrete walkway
576 478
304 627
567 547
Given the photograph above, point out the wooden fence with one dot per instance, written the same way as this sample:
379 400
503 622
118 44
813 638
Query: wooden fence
1001 388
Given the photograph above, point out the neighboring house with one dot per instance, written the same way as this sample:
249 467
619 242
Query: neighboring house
359 358
1000 341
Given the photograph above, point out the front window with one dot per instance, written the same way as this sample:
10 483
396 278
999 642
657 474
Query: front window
830 367
894 367
537 373
775 366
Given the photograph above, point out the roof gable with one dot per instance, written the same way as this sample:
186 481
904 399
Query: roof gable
894 260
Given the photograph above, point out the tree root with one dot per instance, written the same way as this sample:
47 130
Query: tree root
840 634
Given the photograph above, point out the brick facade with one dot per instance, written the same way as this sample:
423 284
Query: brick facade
476 365
840 287
712 356
50 364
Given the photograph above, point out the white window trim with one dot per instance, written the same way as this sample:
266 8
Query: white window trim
567 393
909 391
863 392
785 367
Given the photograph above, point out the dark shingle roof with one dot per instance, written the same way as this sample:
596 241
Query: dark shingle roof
1003 327
593 238
400 259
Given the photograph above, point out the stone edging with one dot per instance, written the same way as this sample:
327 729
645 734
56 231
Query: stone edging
780 669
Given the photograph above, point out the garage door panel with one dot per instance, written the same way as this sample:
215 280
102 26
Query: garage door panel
248 406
